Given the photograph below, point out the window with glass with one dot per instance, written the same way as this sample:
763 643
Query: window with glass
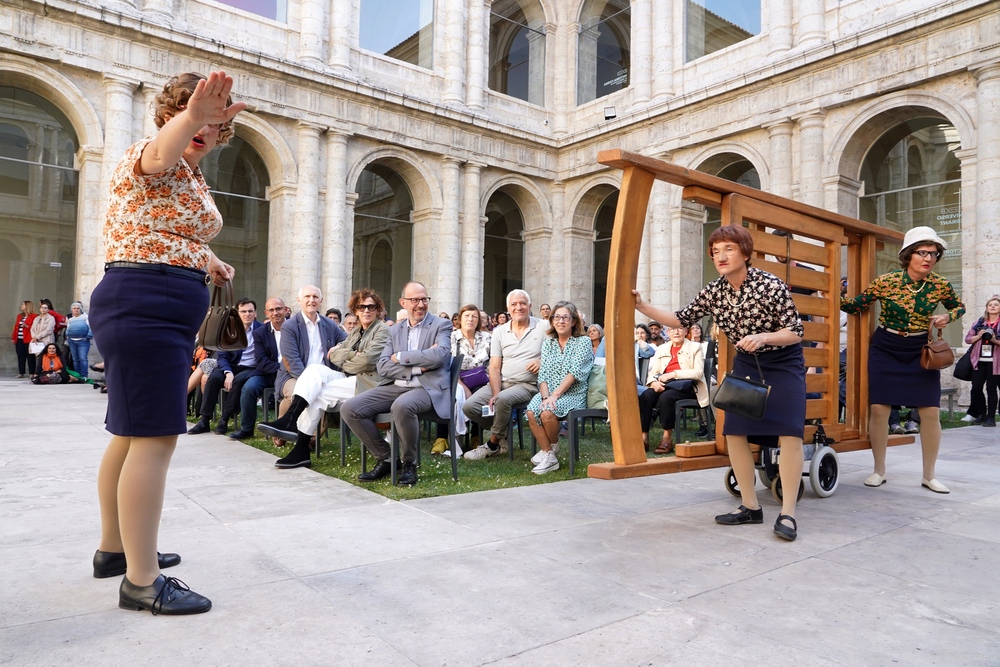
732 167
38 202
604 224
503 251
604 56
383 233
712 25
239 181
517 50
276 10
400 29
913 178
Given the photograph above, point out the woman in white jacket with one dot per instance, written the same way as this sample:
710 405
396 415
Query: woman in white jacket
676 372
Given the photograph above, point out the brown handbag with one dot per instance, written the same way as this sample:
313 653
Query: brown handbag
222 329
936 353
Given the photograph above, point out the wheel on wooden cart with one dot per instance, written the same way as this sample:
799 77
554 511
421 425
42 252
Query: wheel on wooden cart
732 486
824 472
764 479
776 489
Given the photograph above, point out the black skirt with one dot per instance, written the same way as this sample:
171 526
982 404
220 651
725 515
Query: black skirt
895 376
145 323
784 370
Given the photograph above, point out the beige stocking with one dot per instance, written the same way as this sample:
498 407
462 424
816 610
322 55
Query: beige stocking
878 434
107 492
140 502
790 472
742 461
930 438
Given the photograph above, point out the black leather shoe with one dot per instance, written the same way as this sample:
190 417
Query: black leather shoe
786 532
199 428
701 432
112 564
408 477
990 423
166 595
267 429
295 459
381 469
979 421
240 434
744 515
221 428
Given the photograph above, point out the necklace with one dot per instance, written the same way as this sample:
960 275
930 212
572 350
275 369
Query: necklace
733 303
915 291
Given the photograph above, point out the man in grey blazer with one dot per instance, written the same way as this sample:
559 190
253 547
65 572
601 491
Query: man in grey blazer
417 360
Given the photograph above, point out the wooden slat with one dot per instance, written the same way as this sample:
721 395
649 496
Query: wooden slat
816 331
812 305
816 382
657 466
697 195
814 356
817 408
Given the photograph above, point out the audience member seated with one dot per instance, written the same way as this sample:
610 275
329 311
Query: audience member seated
51 369
417 360
233 370
545 311
567 357
320 387
474 346
515 357
350 322
203 363
655 333
676 372
595 332
266 364
642 348
305 339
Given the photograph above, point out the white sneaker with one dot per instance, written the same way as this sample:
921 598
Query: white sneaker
968 418
482 451
548 464
540 454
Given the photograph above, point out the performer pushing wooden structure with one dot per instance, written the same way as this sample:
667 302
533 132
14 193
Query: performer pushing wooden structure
830 232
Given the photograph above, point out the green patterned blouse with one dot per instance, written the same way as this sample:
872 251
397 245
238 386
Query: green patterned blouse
907 305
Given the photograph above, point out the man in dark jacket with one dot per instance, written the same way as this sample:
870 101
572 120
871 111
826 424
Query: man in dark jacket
268 358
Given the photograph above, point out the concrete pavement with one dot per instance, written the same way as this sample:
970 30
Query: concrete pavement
307 570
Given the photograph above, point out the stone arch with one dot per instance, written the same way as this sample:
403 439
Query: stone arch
46 82
528 197
851 144
589 199
716 151
422 181
270 145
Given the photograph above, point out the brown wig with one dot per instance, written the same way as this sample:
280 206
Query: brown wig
734 234
907 253
359 295
174 98
577 330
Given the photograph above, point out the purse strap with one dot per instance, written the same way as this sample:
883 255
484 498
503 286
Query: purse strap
930 333
759 371
223 299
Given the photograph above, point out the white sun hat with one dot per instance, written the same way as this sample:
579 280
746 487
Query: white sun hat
923 236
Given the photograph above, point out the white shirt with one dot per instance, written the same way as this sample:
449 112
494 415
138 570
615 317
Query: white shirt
412 343
248 359
315 344
277 340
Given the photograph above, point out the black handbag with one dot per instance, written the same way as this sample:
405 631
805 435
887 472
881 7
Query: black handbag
222 329
963 368
743 396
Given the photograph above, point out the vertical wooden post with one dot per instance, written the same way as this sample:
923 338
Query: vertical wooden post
623 403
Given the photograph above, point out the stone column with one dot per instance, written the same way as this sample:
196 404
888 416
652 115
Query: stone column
779 35
841 194
311 19
987 195
450 237
471 286
149 93
661 267
811 157
565 85
427 252
687 250
281 214
811 24
537 54
90 204
164 8
335 238
453 50
641 76
476 55
118 120
342 37
780 143
560 267
304 259
347 287
642 280
663 54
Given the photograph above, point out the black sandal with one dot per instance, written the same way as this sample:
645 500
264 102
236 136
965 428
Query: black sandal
783 531
743 515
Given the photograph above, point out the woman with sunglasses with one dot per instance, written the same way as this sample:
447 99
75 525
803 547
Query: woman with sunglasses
909 298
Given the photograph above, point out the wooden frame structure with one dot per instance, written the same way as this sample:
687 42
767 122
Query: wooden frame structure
830 233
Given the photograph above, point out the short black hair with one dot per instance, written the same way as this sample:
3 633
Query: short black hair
335 311
244 301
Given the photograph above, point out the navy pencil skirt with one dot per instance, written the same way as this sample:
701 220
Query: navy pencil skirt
145 323
785 371
895 376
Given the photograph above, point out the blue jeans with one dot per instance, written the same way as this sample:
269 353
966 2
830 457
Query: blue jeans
79 349
252 389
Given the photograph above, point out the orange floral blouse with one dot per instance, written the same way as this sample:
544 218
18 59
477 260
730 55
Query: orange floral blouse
163 218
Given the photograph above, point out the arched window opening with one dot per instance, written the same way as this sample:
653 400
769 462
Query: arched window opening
239 182
604 223
604 57
732 167
383 233
517 51
503 251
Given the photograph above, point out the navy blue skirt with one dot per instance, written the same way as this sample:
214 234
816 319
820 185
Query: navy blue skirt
895 376
784 369
145 323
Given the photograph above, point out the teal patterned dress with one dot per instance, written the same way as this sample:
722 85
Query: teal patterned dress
576 360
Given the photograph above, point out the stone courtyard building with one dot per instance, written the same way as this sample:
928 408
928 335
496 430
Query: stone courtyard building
455 141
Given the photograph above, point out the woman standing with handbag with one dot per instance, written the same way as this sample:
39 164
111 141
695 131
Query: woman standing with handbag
985 358
895 377
153 296
21 337
755 310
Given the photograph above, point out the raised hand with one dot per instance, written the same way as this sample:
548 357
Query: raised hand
208 103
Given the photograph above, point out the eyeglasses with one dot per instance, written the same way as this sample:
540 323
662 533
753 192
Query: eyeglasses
247 312
368 306
416 299
562 318
275 310
927 253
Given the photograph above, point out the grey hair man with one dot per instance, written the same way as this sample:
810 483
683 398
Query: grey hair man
515 357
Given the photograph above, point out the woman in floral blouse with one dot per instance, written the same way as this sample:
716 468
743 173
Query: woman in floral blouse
755 311
567 357
895 377
153 296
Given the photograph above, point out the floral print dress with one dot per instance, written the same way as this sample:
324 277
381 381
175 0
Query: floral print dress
576 359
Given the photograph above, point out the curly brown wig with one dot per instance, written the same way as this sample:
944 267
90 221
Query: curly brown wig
174 98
